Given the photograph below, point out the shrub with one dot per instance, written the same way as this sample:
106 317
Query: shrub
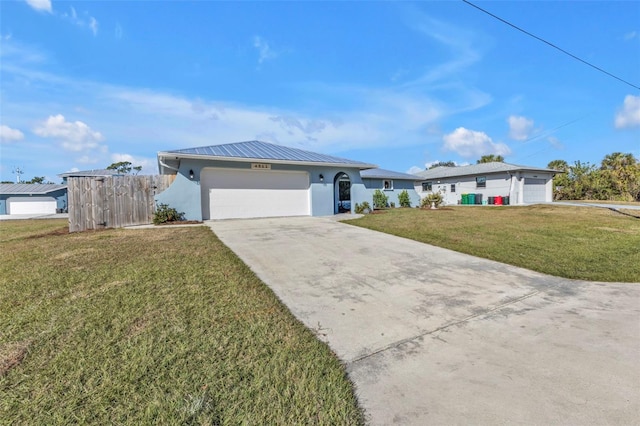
362 208
392 205
435 197
164 214
403 199
379 200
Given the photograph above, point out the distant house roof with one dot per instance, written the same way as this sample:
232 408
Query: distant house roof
260 151
30 188
476 169
91 173
386 174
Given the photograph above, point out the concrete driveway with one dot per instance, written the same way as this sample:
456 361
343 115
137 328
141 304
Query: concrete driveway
431 336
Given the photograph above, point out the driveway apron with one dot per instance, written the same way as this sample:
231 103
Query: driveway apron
432 336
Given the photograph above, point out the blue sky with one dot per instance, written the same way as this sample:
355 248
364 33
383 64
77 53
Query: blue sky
398 84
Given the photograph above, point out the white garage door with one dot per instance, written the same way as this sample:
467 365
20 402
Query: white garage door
31 205
535 190
230 193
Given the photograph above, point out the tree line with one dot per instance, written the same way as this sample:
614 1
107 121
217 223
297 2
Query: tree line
617 179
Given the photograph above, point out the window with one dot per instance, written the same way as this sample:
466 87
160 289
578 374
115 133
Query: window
387 184
427 186
453 187
481 182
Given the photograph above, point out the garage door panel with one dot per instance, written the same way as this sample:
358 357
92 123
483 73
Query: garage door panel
535 190
31 205
229 193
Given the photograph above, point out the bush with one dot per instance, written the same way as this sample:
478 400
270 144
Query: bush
435 197
403 199
362 208
392 205
380 200
164 214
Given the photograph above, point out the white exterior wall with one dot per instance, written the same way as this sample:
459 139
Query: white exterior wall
502 184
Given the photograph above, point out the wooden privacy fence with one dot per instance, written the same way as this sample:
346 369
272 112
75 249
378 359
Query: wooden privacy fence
114 201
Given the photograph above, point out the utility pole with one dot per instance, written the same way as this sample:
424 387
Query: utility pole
18 172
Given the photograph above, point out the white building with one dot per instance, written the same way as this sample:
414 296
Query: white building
522 184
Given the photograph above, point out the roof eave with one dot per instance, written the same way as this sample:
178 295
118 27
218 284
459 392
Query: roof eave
32 192
393 178
519 169
361 166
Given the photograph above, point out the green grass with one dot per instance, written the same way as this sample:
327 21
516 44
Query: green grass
572 242
160 326
627 203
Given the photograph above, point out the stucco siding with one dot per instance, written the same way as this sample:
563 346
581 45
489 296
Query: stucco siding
503 184
372 184
185 194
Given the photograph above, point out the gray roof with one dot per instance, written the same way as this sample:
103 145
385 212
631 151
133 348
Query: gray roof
477 169
91 173
261 151
386 174
30 188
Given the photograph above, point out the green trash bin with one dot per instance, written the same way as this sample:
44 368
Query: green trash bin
472 198
505 200
464 199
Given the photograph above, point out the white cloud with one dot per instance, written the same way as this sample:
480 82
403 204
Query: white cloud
84 20
264 51
40 5
414 169
630 35
519 127
149 165
7 134
93 24
194 122
460 41
86 159
76 136
555 142
629 114
470 143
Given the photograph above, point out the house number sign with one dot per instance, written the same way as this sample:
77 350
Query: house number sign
260 166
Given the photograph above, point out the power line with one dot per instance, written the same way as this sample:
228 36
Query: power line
551 44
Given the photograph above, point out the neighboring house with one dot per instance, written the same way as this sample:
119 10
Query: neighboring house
391 183
522 184
89 173
32 198
259 179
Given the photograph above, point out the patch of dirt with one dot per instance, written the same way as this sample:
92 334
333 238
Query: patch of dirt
138 326
181 222
54 233
11 355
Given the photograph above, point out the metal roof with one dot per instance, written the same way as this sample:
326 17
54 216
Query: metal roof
91 173
477 169
386 174
261 151
30 188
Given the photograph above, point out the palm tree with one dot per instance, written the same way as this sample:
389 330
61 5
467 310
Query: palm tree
491 158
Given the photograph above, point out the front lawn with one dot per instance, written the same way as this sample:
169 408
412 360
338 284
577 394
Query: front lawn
159 326
572 242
